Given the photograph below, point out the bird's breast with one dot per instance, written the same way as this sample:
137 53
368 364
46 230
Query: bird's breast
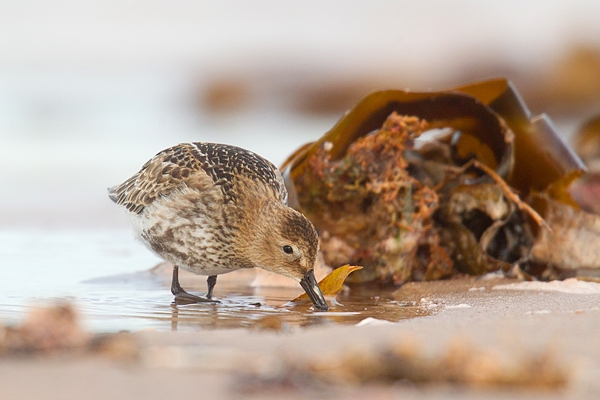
189 232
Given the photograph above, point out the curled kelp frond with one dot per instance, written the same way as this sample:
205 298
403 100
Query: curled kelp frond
409 209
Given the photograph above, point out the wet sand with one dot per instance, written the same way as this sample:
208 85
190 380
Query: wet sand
89 94
235 363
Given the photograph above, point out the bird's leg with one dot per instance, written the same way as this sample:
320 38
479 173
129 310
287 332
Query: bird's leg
211 281
183 297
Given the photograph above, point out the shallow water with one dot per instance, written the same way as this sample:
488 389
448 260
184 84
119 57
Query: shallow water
108 276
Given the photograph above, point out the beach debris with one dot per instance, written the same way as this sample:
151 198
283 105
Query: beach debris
586 190
58 328
572 248
45 329
332 284
406 359
421 186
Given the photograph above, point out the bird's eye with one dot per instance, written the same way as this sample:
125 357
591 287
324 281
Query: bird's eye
288 249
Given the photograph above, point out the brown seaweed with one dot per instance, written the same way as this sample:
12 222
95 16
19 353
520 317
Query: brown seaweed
409 212
586 191
534 158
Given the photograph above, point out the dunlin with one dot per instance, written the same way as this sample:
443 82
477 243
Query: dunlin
211 209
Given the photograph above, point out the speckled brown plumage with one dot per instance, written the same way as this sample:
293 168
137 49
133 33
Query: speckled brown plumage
176 166
213 208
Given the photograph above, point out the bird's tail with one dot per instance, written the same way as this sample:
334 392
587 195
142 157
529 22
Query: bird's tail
112 193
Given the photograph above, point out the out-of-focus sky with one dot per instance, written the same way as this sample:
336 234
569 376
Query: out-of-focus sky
90 90
177 33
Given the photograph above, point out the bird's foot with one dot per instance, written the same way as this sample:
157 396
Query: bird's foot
184 297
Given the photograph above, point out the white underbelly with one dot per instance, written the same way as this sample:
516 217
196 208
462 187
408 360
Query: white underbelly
187 250
207 269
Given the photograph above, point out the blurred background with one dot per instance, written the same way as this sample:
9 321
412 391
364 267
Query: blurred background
90 90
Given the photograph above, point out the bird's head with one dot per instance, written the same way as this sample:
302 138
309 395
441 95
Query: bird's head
284 241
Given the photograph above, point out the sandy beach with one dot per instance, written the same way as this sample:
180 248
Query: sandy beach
508 326
89 92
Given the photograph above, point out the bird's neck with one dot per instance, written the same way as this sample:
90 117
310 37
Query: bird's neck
253 217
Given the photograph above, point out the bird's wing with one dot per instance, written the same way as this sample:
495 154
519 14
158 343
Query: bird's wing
224 162
169 170
188 164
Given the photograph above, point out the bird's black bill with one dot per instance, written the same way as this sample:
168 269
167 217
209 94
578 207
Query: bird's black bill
311 287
